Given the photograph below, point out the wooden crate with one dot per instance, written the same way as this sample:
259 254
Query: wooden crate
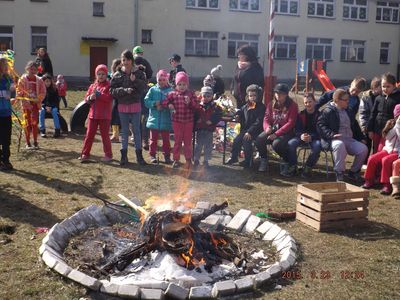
331 205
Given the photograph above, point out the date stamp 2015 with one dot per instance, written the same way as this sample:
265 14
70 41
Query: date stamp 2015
323 275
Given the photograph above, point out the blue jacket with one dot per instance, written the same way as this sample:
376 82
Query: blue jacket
5 94
354 101
158 119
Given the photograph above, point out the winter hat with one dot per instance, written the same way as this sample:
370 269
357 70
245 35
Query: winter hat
182 76
216 72
101 68
396 111
162 74
137 49
175 57
60 77
281 88
206 90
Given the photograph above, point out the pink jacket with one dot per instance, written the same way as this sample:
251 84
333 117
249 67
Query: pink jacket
282 119
24 91
101 107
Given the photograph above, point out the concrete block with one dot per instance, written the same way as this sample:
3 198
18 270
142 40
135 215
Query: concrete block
95 212
251 224
160 285
46 247
285 265
114 217
176 292
285 243
61 236
69 226
223 288
200 292
213 220
151 294
203 205
84 279
274 270
272 233
239 220
244 284
62 268
261 278
49 259
78 220
129 291
109 288
281 235
226 220
264 227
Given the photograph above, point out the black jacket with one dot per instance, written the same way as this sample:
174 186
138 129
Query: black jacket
354 101
242 78
172 74
46 65
382 111
52 99
328 125
301 124
139 60
251 120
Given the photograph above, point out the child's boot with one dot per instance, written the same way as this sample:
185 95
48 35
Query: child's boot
139 158
124 157
57 133
395 181
167 159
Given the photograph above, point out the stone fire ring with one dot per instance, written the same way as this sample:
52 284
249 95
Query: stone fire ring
55 242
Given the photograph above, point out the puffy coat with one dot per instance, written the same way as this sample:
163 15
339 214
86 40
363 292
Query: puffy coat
158 119
100 108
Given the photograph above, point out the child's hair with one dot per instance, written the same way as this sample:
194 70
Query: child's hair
128 55
360 83
310 96
115 64
3 62
338 94
30 64
46 54
388 126
375 82
50 77
389 77
256 89
249 52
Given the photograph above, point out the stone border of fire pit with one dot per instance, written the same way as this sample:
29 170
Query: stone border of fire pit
56 240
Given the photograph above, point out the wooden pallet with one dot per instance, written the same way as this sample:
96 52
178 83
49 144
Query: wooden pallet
331 205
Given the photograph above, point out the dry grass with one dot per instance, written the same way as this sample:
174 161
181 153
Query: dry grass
45 188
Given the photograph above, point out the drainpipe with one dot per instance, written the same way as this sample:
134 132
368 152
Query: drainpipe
135 22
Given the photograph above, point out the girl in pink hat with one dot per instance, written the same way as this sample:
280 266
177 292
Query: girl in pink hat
100 100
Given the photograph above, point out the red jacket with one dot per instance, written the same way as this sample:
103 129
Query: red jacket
101 107
208 112
184 113
283 120
62 88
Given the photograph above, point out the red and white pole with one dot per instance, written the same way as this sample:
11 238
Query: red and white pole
270 79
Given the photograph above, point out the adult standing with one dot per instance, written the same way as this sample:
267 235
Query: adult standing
248 71
175 62
140 61
44 62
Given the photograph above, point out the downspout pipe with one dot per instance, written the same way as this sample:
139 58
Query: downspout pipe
135 22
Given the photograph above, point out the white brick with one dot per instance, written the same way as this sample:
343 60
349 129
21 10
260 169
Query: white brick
244 284
223 288
203 205
213 220
49 259
176 292
251 224
129 291
272 233
275 269
84 279
239 219
261 278
264 227
62 268
200 292
151 294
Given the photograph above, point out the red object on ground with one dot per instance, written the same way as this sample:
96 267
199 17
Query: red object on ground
41 229
324 79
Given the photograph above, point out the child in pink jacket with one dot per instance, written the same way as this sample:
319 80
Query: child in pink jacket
100 100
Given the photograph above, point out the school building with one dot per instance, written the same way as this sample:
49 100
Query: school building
355 37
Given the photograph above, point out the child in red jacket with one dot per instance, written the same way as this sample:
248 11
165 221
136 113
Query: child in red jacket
100 100
62 88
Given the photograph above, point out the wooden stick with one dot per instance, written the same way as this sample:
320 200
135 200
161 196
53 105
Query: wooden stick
133 205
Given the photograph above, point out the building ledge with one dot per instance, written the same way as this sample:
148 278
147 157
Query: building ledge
101 39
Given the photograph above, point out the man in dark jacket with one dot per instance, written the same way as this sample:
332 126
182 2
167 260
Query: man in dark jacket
340 132
175 62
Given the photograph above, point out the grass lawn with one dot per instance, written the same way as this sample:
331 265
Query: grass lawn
45 188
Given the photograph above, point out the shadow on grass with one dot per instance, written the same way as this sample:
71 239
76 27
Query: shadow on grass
22 211
371 231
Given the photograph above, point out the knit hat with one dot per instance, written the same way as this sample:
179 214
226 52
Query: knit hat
396 111
137 49
101 68
162 74
216 71
206 90
182 76
281 88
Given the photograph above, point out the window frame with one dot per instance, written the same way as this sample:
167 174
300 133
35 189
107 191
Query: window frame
324 3
388 53
358 6
98 14
278 7
242 41
238 6
288 44
147 41
33 50
322 44
8 35
196 5
356 49
201 39
387 6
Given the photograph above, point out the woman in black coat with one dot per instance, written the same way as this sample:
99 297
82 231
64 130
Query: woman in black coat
248 71
44 62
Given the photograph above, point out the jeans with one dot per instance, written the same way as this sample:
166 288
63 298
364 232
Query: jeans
238 142
279 144
134 119
42 117
204 139
312 159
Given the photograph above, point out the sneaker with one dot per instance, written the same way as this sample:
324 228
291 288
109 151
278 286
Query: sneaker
306 172
153 160
176 164
196 163
43 133
386 190
368 184
106 159
28 147
263 165
167 159
83 158
355 176
35 145
290 171
232 160
339 176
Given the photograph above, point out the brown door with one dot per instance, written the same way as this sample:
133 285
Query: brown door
98 55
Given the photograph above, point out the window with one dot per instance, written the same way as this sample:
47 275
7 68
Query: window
384 53
287 7
355 10
321 8
285 47
352 50
98 9
236 40
319 48
211 4
201 43
39 38
146 36
246 5
6 38
387 11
